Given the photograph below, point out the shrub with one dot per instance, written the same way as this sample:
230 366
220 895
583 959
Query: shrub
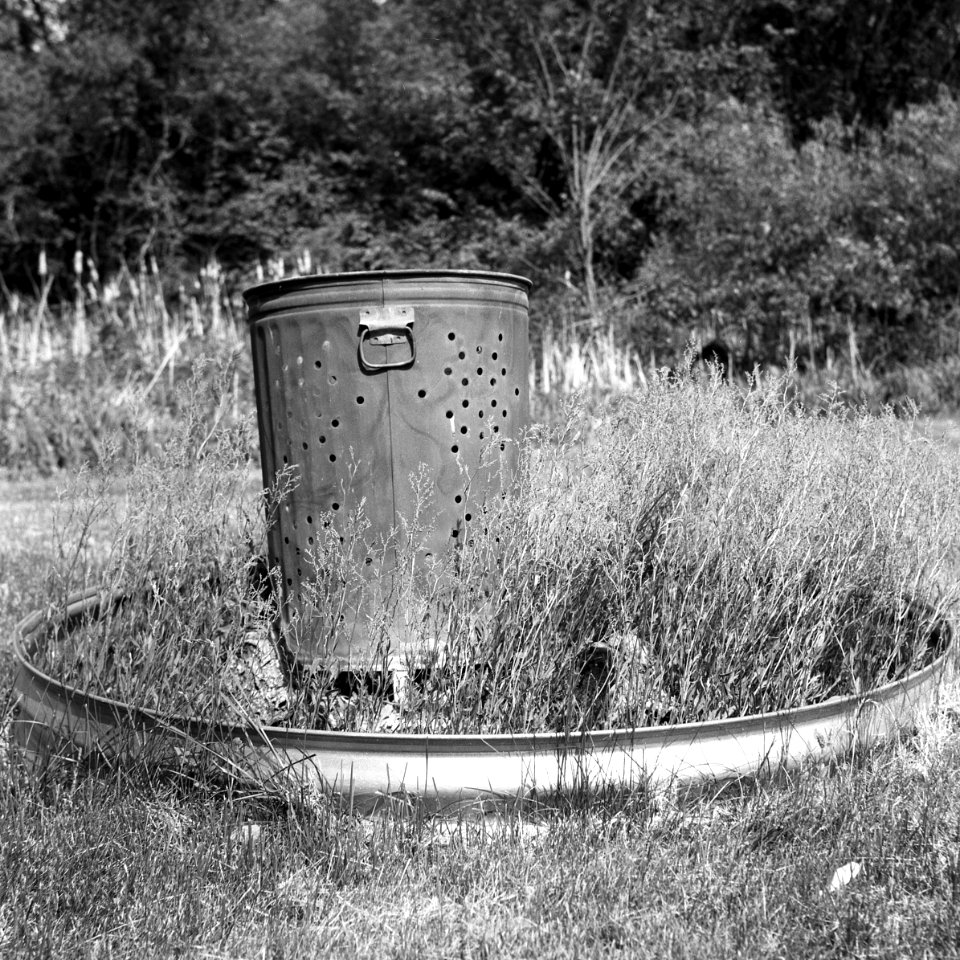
844 248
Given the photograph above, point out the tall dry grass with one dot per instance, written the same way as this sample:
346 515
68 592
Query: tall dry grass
135 305
86 356
697 553
182 548
104 357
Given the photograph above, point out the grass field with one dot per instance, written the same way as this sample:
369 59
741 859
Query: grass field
111 866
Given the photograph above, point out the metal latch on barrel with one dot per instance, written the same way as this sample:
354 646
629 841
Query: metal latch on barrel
386 327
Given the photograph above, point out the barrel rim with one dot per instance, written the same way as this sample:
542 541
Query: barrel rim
273 288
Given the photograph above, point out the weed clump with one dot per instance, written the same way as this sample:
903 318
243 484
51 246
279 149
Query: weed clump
698 553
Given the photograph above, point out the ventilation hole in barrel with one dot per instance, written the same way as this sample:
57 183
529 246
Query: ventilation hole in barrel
503 413
286 540
468 516
335 506
493 381
481 434
454 534
465 404
359 401
284 458
309 518
496 429
493 403
500 337
317 364
479 348
479 371
299 572
464 430
334 423
368 561
451 336
421 393
333 458
516 391
322 438
341 539
503 447
449 414
455 448
310 540
465 382
503 371
448 370
332 379
289 581
461 355
479 414
458 499
494 355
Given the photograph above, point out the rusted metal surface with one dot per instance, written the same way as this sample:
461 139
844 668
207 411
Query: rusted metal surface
366 382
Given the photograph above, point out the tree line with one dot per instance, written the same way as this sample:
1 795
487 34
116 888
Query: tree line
780 174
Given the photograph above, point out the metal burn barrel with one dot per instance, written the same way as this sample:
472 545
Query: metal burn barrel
384 393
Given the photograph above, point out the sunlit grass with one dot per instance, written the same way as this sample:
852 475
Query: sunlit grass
130 863
110 865
699 553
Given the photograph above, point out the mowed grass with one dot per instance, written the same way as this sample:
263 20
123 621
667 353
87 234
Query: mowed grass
102 867
119 865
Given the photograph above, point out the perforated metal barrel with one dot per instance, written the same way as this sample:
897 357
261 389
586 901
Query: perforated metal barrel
366 382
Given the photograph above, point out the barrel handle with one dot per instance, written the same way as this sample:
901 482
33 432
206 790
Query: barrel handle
382 326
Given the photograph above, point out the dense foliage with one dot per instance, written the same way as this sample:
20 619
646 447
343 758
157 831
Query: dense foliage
781 174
